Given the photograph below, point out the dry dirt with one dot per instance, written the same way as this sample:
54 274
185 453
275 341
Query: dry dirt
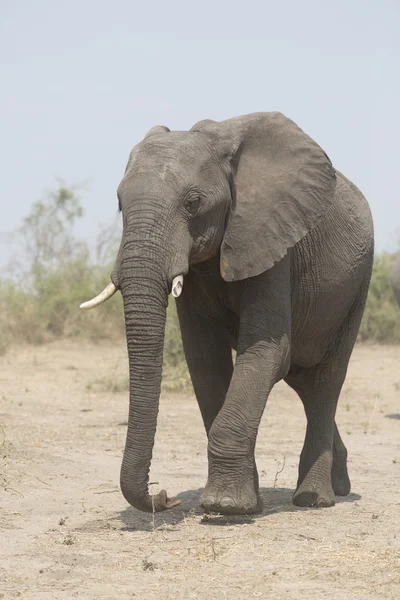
66 531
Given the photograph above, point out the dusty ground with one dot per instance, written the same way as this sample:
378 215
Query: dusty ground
66 531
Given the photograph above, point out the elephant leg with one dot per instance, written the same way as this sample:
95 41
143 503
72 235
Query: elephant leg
207 345
207 351
323 460
319 394
340 477
208 354
263 357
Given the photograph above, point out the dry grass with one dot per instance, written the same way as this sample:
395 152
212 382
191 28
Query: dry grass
68 531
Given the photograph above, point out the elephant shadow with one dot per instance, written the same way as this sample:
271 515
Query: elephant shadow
274 500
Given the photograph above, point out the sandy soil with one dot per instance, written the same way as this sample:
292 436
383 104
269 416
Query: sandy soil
66 531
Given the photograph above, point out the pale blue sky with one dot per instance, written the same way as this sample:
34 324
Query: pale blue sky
82 81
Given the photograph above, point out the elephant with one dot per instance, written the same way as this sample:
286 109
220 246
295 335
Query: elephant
395 279
268 251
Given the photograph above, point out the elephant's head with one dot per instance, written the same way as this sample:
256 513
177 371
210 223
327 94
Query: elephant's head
246 189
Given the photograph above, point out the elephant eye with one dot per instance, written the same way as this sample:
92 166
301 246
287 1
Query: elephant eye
192 204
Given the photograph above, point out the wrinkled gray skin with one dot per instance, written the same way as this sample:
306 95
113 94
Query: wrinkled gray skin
276 250
395 279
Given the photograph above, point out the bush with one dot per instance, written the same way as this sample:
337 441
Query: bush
54 274
39 300
173 349
381 321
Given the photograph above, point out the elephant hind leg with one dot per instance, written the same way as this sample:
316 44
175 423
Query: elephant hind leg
319 395
340 477
323 460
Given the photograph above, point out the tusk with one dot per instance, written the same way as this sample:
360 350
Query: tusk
105 295
177 286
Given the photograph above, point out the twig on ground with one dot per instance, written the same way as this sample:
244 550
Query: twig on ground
41 481
10 489
279 471
213 549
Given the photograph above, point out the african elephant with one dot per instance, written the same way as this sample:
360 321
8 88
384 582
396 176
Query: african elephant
395 279
272 250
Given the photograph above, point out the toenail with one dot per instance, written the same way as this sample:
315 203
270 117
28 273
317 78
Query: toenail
209 501
227 502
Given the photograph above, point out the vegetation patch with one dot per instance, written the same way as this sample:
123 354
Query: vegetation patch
55 271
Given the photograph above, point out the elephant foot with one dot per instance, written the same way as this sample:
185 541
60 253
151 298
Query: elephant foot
340 483
313 498
340 478
230 502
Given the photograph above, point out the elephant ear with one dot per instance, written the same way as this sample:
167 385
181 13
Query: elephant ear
282 183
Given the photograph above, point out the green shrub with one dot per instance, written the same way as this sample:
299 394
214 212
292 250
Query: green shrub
381 320
173 350
54 274
40 300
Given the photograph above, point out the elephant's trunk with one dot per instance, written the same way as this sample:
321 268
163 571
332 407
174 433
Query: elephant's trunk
145 289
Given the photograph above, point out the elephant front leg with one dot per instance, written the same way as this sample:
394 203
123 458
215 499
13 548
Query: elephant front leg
262 359
206 342
232 486
207 350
